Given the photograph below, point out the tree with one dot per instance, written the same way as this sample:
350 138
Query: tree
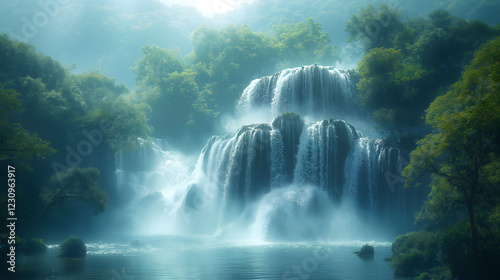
388 89
74 184
374 28
241 56
419 59
104 100
463 154
156 64
126 119
16 143
207 44
304 43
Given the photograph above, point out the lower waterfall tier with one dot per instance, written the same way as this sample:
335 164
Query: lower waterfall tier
290 179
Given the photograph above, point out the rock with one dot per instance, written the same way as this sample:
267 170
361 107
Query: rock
33 246
73 247
366 252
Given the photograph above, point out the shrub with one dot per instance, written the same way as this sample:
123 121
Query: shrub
33 246
424 276
73 247
366 252
414 253
457 253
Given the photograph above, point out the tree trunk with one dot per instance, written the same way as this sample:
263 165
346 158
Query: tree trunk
473 228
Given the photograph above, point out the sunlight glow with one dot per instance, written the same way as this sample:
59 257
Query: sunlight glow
209 8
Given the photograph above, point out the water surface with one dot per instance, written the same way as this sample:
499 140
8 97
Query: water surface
168 257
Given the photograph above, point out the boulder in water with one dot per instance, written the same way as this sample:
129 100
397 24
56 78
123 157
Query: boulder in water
366 252
73 247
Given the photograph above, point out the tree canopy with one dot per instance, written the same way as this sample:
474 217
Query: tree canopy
408 64
16 143
463 152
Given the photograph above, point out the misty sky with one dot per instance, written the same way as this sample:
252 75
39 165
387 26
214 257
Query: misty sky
107 35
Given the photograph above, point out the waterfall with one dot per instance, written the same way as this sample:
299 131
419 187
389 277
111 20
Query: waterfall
322 155
292 178
262 162
309 90
240 166
151 180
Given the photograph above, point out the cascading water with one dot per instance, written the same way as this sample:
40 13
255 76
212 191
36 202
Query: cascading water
149 181
288 179
309 90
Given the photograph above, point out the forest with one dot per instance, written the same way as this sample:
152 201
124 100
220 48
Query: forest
430 84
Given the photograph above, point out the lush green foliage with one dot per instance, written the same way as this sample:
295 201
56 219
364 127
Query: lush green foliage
375 29
46 110
409 63
16 143
33 246
463 155
456 247
171 89
79 184
68 102
73 247
414 253
187 97
304 43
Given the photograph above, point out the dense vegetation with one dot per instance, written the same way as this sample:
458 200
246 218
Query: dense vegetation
463 156
408 64
187 97
52 120
56 122
72 247
65 127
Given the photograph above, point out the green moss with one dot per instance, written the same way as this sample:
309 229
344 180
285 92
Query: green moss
73 247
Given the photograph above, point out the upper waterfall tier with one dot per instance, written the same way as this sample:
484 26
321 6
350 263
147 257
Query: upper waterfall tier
318 91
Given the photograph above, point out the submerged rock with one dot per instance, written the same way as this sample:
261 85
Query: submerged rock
366 252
